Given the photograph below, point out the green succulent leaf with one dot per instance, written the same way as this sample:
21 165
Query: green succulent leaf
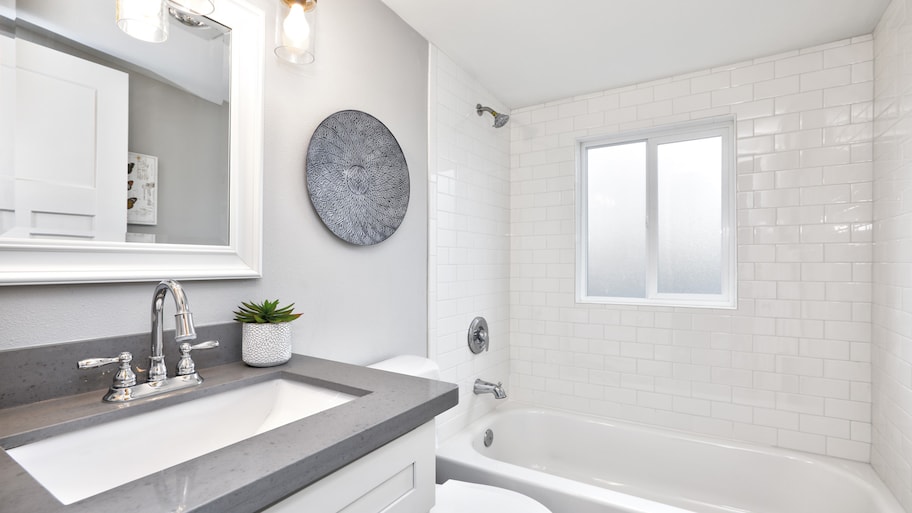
265 312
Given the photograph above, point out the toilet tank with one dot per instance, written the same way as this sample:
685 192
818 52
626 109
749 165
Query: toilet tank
410 365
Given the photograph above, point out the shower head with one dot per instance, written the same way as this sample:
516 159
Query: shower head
499 119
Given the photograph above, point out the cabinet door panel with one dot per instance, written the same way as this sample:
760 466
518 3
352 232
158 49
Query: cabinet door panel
70 154
396 478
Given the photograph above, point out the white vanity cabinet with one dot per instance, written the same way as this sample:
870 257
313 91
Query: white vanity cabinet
396 478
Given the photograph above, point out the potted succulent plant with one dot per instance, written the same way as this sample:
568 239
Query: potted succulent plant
266 332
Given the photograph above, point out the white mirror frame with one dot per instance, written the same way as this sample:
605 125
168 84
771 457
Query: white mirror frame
35 261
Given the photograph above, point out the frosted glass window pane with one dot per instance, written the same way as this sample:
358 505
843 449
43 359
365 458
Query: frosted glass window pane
690 217
616 216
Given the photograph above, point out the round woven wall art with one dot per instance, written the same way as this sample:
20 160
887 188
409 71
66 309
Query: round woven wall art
357 177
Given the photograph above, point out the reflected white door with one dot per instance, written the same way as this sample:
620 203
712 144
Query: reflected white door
71 147
7 132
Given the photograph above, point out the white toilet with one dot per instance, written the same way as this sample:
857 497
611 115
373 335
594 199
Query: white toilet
459 496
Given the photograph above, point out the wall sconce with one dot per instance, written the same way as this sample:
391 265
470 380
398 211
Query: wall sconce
296 31
197 7
146 20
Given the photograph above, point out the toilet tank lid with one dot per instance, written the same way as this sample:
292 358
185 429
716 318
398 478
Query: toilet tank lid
411 365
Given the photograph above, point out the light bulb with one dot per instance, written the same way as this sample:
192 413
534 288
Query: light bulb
295 29
146 20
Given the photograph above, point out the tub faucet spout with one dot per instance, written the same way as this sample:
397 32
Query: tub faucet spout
484 387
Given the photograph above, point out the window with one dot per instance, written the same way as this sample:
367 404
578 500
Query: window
656 217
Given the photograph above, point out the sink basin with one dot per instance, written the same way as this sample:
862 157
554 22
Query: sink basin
83 463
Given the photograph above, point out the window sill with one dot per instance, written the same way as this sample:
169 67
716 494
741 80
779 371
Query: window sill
720 304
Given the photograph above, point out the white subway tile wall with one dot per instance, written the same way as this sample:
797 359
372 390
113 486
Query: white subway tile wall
892 287
469 245
791 366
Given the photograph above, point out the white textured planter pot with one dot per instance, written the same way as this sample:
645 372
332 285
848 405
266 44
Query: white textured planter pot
265 345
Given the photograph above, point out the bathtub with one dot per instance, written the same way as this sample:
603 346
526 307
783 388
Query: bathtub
579 464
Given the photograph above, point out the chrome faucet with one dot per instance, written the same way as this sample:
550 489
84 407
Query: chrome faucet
183 329
484 387
125 387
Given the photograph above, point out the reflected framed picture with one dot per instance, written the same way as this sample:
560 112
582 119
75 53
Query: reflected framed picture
142 189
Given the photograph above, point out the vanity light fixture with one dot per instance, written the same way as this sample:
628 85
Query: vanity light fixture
197 7
295 31
146 20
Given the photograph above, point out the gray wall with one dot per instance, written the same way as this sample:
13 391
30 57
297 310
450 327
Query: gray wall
360 304
190 137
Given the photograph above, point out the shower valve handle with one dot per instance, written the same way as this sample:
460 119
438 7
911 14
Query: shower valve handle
478 335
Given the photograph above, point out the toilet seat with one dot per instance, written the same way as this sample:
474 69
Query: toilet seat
462 497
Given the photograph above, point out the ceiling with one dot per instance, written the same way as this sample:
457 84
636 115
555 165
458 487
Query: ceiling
532 51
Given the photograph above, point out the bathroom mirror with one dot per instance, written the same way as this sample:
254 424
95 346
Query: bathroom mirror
175 128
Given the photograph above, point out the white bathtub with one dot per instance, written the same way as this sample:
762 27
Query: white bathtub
578 464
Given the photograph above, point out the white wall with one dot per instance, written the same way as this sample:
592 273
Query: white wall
791 366
360 304
469 253
892 309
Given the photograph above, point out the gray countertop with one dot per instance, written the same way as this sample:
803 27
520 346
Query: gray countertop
246 476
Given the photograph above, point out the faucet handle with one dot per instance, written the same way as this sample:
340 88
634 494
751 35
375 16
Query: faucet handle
479 338
185 365
209 344
123 378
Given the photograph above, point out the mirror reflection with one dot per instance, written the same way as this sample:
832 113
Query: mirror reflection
109 138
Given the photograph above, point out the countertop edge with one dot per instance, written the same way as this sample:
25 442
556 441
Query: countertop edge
251 474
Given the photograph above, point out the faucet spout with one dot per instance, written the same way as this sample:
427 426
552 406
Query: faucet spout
183 326
485 387
125 387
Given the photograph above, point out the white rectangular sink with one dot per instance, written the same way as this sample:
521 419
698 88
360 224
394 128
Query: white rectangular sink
83 463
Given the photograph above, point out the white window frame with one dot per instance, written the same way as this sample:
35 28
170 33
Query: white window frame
720 126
